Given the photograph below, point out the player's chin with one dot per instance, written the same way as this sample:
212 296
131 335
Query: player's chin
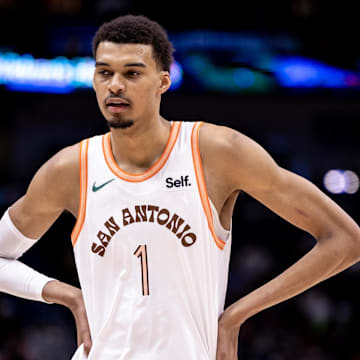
117 123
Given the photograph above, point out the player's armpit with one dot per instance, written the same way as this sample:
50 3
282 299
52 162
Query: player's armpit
53 189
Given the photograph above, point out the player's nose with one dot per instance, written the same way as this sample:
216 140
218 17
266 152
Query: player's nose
116 85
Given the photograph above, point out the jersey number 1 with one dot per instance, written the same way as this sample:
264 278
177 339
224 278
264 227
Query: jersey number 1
142 252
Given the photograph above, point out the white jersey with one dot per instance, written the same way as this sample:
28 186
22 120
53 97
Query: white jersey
151 254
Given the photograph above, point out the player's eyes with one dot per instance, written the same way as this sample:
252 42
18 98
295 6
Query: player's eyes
105 72
130 73
133 73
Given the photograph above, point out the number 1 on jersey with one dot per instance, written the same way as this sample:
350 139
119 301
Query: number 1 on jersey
141 251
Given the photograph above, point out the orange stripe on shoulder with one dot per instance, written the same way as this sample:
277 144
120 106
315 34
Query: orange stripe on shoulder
201 182
83 168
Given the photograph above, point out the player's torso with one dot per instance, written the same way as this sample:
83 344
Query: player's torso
152 272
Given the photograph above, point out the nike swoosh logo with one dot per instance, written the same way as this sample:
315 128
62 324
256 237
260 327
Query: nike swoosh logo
97 188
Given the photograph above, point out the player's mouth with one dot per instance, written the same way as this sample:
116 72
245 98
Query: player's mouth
117 105
116 108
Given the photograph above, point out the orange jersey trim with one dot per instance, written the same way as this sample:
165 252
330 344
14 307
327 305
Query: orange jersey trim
201 182
109 157
83 161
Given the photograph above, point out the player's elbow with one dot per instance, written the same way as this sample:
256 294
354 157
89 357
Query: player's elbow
355 248
343 244
351 246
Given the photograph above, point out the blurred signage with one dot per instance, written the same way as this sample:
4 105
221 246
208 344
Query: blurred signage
205 61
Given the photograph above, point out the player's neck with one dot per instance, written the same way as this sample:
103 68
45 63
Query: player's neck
137 148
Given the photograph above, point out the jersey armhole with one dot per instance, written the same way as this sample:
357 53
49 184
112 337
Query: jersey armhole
200 179
83 170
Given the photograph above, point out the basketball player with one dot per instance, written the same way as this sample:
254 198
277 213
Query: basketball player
153 200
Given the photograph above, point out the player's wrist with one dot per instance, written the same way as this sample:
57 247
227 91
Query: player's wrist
233 317
63 294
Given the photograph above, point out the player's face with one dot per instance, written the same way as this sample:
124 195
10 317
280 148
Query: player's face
128 83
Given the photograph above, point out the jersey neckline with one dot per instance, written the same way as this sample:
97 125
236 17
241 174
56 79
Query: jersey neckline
116 170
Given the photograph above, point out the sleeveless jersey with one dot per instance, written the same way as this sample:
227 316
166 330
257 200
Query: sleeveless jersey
151 254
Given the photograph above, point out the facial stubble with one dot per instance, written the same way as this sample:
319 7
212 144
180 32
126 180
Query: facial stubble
116 123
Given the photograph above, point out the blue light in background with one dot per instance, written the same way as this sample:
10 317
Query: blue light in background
37 88
299 72
176 74
244 78
228 79
58 75
249 43
63 75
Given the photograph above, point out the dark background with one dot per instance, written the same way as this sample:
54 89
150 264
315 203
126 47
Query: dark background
307 131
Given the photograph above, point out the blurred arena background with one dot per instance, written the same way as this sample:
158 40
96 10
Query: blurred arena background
285 73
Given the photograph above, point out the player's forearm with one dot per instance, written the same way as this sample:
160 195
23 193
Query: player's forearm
20 280
17 278
326 259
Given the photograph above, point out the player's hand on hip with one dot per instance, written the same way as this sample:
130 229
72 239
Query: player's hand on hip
227 342
82 325
70 296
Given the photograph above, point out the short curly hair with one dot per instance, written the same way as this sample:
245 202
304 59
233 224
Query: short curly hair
130 29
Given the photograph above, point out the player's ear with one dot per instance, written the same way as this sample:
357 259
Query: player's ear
165 81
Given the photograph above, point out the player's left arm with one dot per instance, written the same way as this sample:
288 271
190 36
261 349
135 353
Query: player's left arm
250 168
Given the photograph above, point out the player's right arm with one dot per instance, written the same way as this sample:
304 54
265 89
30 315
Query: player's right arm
53 189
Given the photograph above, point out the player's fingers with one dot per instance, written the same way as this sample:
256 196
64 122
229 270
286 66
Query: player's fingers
87 344
83 330
85 337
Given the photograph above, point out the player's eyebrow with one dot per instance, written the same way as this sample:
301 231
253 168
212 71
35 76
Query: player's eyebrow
101 63
135 64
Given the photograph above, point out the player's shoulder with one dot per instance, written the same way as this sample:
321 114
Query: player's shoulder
62 169
217 139
65 161
238 158
56 183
